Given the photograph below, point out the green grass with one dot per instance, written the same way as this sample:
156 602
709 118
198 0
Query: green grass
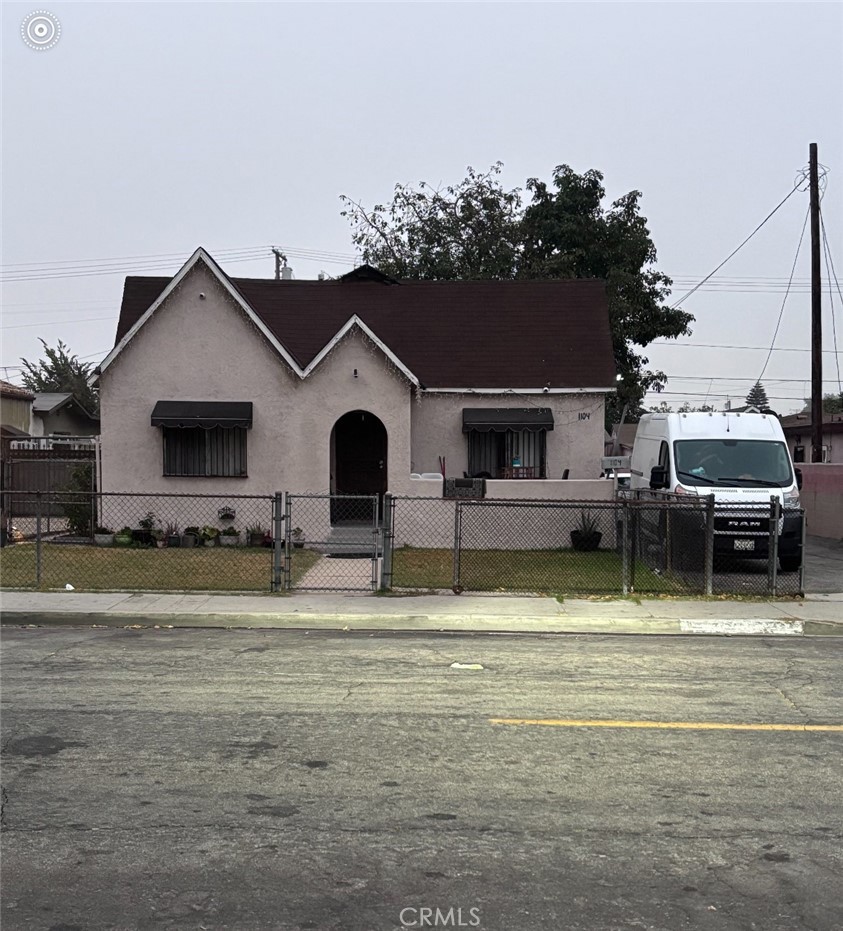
566 571
94 568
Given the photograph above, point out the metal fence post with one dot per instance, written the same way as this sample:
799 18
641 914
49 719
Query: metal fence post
288 555
38 539
802 555
386 565
709 545
457 541
278 538
625 546
773 546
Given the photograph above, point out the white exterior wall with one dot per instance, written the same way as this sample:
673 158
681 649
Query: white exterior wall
574 443
206 350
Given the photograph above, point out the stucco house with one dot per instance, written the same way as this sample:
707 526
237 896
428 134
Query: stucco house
362 384
59 413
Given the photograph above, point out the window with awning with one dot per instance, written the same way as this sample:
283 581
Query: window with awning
507 442
501 419
204 438
204 414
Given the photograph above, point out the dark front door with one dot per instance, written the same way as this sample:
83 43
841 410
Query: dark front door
359 455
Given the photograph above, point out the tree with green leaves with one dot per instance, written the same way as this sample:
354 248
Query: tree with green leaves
478 229
61 371
832 404
757 398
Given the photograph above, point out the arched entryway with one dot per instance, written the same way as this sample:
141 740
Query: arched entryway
359 456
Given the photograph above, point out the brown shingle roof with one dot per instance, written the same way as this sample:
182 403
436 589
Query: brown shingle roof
8 390
450 334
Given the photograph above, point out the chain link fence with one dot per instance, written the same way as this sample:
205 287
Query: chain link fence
138 542
638 543
635 544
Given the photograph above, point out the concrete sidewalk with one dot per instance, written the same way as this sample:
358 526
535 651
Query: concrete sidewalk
818 614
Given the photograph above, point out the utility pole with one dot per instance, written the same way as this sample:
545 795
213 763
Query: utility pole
816 312
279 257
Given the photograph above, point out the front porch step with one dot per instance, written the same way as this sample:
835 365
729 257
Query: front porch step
347 540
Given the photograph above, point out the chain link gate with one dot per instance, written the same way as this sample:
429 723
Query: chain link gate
332 543
630 544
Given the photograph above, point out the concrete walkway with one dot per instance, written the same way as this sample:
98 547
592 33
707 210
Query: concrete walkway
817 614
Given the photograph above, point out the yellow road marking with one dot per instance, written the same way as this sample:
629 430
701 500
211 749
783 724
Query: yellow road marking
667 725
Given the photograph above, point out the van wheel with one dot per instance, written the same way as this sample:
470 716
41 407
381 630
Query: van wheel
790 563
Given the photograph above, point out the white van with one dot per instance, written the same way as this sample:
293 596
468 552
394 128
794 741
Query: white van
742 459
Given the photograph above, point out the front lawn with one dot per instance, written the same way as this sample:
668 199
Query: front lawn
94 568
557 571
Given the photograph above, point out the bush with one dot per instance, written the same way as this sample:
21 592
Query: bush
79 502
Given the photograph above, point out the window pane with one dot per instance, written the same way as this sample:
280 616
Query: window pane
196 451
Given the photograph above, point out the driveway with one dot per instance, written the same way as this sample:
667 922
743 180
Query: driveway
823 565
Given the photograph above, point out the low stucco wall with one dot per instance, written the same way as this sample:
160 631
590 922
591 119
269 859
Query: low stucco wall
524 519
822 498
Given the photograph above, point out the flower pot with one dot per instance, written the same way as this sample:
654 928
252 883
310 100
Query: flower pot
188 540
298 542
255 539
174 540
160 544
122 539
586 540
229 539
104 539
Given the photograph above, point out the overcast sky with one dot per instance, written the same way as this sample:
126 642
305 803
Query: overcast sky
151 128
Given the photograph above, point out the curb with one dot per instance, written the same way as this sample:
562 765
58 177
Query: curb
420 623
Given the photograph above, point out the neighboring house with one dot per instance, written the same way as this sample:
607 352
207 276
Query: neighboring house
228 385
15 410
60 414
797 430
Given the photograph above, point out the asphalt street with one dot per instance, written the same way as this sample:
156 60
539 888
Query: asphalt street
237 779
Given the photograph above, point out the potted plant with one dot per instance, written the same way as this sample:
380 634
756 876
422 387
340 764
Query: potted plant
255 534
144 534
172 535
229 537
191 537
123 537
210 535
103 536
159 537
586 537
297 536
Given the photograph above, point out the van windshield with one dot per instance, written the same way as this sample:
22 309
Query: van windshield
733 462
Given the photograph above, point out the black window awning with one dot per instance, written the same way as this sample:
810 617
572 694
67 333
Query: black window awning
501 419
207 414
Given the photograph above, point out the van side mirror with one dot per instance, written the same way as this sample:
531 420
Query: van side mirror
658 477
798 478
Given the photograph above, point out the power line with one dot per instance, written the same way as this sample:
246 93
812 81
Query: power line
786 293
702 394
735 251
120 259
670 342
115 270
22 326
29 271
